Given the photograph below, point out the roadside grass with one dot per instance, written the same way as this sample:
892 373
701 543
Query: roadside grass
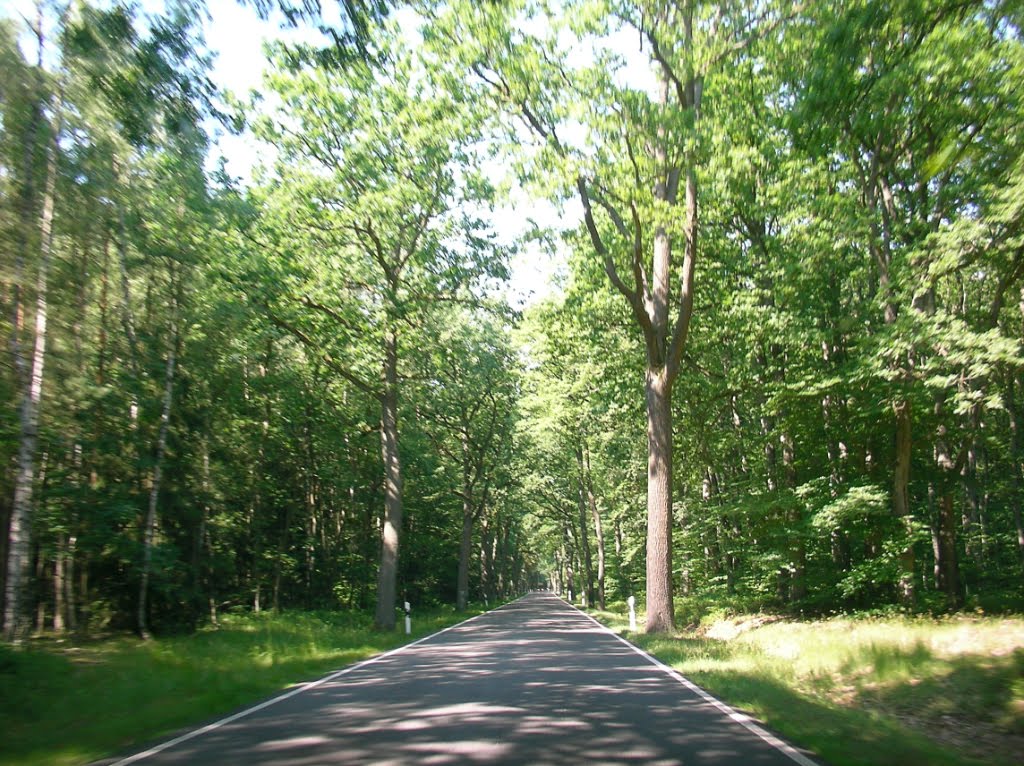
71 702
859 691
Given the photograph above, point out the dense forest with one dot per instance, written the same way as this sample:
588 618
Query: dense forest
783 367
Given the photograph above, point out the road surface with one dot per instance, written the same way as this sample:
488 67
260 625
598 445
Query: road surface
533 682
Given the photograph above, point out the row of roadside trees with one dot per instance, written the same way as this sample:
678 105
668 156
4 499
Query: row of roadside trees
793 304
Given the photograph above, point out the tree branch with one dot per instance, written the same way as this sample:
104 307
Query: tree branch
326 358
681 330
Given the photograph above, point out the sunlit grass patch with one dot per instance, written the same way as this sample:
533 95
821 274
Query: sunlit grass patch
69 703
864 690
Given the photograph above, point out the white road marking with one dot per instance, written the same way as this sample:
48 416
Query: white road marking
282 697
736 716
743 720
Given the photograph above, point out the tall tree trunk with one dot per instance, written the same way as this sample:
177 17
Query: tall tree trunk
972 519
466 539
660 611
40 580
486 559
1016 459
581 506
69 585
59 587
23 233
28 417
465 549
149 529
256 470
947 565
501 557
658 390
494 562
798 574
388 573
901 497
1016 449
878 199
282 549
316 523
598 528
204 549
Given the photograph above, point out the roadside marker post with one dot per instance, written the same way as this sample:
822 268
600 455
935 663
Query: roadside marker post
408 619
632 613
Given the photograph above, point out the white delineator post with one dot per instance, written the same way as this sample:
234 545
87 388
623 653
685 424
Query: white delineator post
632 614
408 619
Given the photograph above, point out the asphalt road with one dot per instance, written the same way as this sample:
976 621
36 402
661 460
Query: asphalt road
533 682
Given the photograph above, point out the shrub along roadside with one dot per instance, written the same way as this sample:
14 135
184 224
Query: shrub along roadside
859 691
69 703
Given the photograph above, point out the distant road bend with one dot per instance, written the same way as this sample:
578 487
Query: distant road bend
533 682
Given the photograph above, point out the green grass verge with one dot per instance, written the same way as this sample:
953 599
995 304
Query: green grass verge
860 691
73 702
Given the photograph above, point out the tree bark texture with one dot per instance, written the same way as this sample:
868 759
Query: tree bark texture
660 612
586 561
387 574
598 528
947 564
465 550
28 416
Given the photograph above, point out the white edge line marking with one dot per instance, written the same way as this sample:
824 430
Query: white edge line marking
734 715
303 688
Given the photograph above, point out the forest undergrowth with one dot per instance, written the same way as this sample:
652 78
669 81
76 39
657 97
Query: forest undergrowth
862 689
71 701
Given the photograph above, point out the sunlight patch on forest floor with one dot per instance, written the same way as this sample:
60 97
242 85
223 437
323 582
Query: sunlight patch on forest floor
891 690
